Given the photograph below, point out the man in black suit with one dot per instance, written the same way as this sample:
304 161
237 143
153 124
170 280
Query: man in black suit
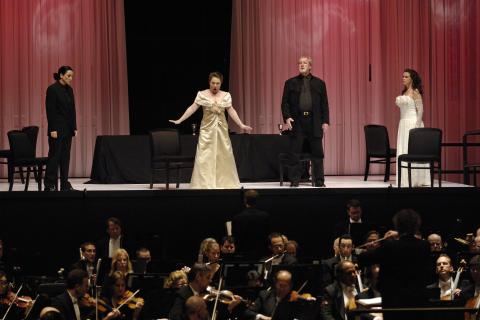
107 246
250 227
404 265
62 126
340 296
353 224
67 303
199 278
305 112
276 301
345 252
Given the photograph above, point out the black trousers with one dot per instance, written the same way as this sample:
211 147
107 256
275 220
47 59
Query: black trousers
302 134
58 156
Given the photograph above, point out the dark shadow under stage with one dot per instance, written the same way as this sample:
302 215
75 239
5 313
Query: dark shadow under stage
49 227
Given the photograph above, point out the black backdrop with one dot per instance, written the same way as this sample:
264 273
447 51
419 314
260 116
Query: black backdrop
172 46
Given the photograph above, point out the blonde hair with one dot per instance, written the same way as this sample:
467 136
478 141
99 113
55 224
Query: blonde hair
173 277
115 259
309 59
205 247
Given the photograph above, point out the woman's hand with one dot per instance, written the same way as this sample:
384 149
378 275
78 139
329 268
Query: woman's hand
245 127
175 121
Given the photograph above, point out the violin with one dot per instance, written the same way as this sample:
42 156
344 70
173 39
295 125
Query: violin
128 298
295 296
224 296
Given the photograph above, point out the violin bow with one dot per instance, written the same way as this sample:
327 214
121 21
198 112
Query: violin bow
31 307
129 298
11 303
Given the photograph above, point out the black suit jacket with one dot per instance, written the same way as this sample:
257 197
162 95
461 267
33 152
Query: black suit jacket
250 229
291 103
404 269
103 244
333 305
266 304
60 105
64 304
178 308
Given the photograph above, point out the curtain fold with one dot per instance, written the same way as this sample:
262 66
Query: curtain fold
38 36
360 48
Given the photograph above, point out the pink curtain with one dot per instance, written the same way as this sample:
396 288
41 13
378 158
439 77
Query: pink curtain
438 38
38 36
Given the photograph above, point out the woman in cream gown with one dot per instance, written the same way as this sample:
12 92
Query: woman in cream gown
411 112
214 166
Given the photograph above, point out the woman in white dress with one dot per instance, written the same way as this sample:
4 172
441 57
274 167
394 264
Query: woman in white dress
411 112
214 166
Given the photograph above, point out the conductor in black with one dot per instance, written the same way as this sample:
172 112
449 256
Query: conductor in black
305 112
62 126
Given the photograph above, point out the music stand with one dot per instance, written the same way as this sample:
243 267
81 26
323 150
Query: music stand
145 281
235 272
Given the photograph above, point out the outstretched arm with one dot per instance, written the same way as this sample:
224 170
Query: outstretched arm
190 110
233 114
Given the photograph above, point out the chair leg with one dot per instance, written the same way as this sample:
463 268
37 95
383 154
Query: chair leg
409 174
27 180
11 175
280 170
399 174
475 176
168 174
178 177
312 174
387 170
39 177
152 172
21 175
432 173
367 169
439 175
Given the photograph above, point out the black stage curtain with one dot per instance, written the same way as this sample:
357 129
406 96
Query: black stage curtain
126 159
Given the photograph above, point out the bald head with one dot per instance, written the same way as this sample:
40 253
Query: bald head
196 308
435 241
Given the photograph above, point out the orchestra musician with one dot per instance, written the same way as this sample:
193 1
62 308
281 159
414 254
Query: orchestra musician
445 282
196 309
88 262
16 306
119 303
68 303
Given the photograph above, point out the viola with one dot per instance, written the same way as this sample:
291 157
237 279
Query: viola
128 298
22 302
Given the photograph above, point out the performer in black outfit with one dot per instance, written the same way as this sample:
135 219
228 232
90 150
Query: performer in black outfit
305 112
62 126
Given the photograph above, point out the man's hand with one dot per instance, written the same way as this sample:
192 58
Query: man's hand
75 133
288 123
325 127
54 134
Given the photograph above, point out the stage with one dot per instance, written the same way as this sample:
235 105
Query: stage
173 222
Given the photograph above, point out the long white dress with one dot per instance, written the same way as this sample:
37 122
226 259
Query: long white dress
410 117
214 166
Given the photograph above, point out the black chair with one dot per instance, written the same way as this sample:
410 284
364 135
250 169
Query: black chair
469 167
378 146
23 155
424 147
284 160
166 154
6 154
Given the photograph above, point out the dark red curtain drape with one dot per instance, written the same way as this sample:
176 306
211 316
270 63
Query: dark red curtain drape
38 36
438 38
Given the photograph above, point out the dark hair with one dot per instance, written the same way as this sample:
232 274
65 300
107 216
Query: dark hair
230 239
416 81
474 261
196 269
75 277
353 203
84 245
115 221
215 74
250 197
61 70
346 237
407 222
372 232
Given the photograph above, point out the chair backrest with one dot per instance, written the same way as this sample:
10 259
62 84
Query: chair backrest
20 145
164 142
425 141
32 133
376 140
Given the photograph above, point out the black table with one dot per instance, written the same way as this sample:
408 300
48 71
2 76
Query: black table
126 159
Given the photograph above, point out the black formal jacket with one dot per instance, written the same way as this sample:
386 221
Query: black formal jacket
64 304
333 305
60 105
291 103
404 269
103 244
251 228
178 308
266 304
